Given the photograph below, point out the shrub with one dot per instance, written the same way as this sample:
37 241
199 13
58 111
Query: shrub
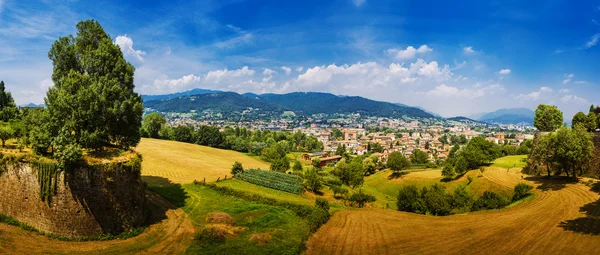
409 200
462 200
430 165
437 200
338 189
237 168
322 203
312 180
489 200
212 235
521 191
448 171
280 165
317 218
470 179
361 198
332 180
297 166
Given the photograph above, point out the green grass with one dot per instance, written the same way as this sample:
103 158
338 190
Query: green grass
517 161
287 230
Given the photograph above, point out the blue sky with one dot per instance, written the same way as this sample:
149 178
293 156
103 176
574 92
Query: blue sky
451 58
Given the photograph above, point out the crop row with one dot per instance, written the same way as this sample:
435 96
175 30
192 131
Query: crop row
272 180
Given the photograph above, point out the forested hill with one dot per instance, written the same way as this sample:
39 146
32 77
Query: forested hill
192 92
509 116
299 102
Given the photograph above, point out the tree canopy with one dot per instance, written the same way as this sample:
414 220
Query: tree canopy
8 109
396 161
152 123
92 102
548 118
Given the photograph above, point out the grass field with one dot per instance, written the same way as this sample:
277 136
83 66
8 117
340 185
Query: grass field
517 161
561 218
184 162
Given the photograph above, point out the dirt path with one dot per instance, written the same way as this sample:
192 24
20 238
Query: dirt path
172 234
563 218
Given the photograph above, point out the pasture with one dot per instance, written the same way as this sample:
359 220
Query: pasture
184 162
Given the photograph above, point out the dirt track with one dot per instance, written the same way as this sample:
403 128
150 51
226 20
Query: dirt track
563 218
172 234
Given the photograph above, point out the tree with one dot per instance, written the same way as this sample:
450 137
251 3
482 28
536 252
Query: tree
574 148
209 136
544 151
409 200
237 168
351 174
183 133
341 149
6 133
461 165
427 145
337 134
448 171
462 198
152 123
280 165
297 166
93 98
8 109
437 200
419 157
273 153
397 162
312 180
521 191
369 166
580 119
547 118
443 139
361 198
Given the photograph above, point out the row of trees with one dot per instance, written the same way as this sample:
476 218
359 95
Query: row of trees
559 149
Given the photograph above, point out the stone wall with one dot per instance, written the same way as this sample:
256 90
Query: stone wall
89 200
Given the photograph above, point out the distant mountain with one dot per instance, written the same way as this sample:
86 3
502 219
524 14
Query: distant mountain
222 102
192 92
419 107
509 116
301 103
32 105
463 119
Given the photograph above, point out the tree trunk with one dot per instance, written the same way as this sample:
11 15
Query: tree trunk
567 171
548 168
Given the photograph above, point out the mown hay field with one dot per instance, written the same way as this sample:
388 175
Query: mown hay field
184 162
562 218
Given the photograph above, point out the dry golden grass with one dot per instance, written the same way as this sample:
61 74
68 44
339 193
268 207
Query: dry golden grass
561 219
184 162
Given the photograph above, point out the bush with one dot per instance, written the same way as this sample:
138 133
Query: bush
462 200
521 191
470 179
212 235
280 165
448 171
437 200
322 203
337 189
489 200
361 198
317 218
237 168
430 165
297 166
312 180
409 200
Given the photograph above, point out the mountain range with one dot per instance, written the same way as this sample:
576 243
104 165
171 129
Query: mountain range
304 103
509 116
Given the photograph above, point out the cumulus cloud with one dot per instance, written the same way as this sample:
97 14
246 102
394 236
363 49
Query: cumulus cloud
182 83
469 50
573 99
410 51
545 89
504 71
564 91
216 76
536 95
568 78
299 69
287 70
593 41
126 45
470 92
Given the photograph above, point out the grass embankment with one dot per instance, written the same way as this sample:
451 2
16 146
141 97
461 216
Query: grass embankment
286 230
517 161
185 162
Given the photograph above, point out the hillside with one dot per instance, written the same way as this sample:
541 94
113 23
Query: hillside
229 103
463 119
509 116
185 162
225 103
192 92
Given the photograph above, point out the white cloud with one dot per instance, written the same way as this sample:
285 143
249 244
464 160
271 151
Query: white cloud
180 84
580 82
504 71
46 84
358 3
593 41
216 76
410 51
564 91
299 69
1 5
287 70
568 78
470 92
236 41
545 89
573 99
469 50
126 45
536 95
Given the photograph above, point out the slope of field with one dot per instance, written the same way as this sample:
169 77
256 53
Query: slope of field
561 219
185 162
172 234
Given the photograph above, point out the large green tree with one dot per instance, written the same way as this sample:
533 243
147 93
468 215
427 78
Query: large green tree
584 121
152 123
397 162
574 148
93 99
8 109
548 118
419 157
